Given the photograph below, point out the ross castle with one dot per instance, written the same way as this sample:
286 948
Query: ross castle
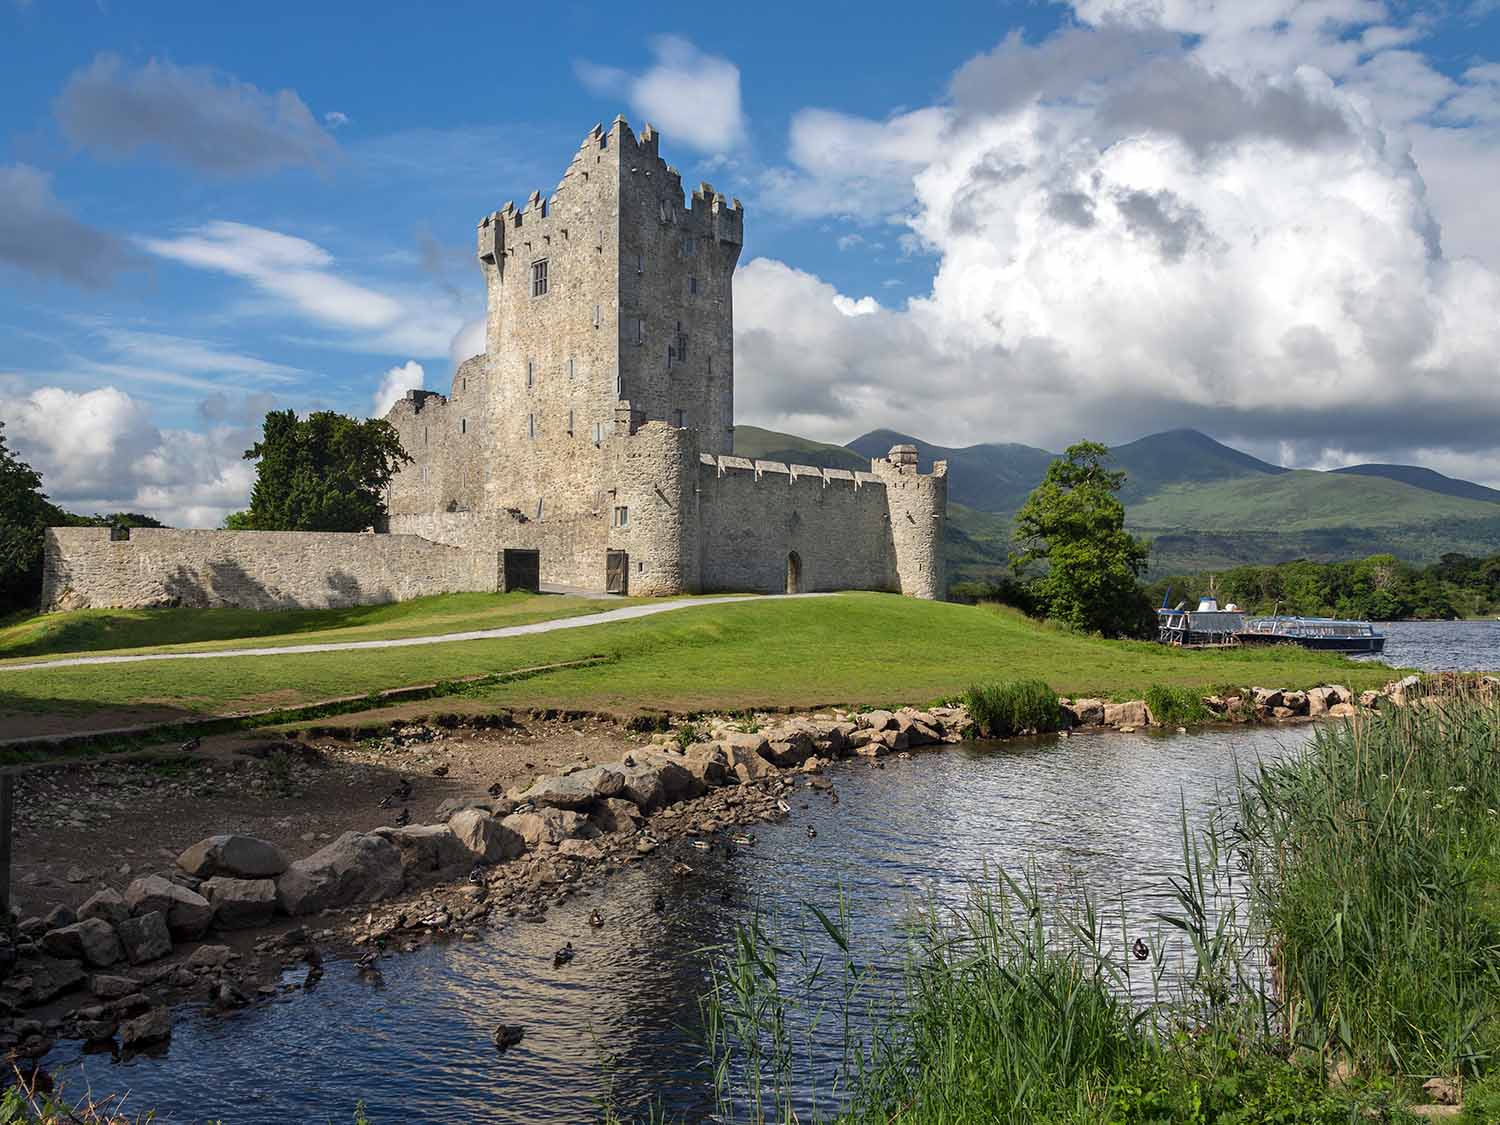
597 429
591 445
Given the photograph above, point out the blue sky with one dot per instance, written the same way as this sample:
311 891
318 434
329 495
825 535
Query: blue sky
1028 222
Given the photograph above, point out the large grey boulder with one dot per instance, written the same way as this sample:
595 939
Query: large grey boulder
38 980
654 779
1132 714
188 913
545 826
354 868
154 1026
789 748
145 938
106 905
709 763
1085 712
739 743
108 987
485 839
615 814
576 790
878 720
91 941
426 848
495 806
243 857
240 904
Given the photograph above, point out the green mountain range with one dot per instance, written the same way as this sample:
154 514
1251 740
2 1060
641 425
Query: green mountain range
1203 504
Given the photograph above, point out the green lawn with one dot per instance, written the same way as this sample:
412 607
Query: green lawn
102 631
853 648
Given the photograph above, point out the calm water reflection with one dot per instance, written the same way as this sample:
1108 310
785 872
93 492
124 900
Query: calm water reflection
623 1017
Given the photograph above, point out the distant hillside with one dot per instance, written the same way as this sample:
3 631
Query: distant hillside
1300 501
768 445
1427 479
1182 457
990 478
1204 505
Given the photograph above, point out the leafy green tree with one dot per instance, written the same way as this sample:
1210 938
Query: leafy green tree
1074 523
325 472
25 514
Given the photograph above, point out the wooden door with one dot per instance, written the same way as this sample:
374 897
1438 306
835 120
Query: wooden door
616 572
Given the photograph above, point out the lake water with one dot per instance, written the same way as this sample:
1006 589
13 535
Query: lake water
622 1020
1442 646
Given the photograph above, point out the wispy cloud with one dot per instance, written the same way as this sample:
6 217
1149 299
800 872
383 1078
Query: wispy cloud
190 115
39 236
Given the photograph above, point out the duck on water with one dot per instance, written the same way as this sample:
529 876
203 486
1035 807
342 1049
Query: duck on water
1211 627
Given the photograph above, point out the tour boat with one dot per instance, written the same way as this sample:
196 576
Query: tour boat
1314 632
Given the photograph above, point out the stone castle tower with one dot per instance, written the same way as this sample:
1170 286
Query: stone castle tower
597 429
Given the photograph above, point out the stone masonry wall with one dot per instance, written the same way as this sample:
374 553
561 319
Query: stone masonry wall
755 515
85 568
918 510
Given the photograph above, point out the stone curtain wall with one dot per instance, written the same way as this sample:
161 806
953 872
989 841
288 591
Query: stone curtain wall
84 568
753 515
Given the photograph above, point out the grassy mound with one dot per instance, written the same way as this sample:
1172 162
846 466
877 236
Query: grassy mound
853 649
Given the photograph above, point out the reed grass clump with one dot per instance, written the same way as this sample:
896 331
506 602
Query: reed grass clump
1339 915
1375 864
1011 707
1177 706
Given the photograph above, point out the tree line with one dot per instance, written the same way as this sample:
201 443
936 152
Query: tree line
1378 588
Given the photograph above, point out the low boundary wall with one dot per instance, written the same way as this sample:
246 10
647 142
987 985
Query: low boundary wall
96 568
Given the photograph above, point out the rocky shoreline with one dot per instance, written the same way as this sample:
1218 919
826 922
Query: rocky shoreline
234 920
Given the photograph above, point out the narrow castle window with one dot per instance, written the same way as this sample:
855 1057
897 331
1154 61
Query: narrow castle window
669 357
531 426
463 425
572 367
539 277
640 263
598 315
640 330
679 419
622 516
570 421
689 246
424 440
598 433
599 237
692 286
539 509
619 386
530 372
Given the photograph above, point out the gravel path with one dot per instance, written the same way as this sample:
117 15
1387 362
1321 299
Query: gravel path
626 614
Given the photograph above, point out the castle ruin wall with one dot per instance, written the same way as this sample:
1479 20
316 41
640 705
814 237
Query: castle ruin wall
89 568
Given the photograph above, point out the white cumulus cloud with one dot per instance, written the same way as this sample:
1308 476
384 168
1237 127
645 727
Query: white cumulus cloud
395 383
99 451
1178 213
692 97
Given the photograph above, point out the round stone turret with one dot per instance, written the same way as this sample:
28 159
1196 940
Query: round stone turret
903 455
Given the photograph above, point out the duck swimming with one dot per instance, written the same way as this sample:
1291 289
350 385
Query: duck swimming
563 956
507 1035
